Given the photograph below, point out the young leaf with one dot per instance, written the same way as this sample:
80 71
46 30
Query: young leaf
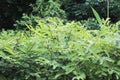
97 16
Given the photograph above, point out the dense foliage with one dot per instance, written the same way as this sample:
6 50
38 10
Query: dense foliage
80 9
41 9
20 12
27 11
55 50
52 47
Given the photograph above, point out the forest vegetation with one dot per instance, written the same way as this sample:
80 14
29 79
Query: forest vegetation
59 40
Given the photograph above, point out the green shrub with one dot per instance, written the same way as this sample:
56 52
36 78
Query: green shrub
41 9
55 50
80 9
26 11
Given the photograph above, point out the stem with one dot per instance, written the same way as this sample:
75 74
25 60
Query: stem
108 11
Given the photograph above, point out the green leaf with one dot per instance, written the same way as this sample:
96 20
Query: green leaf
97 16
82 76
118 63
58 75
69 69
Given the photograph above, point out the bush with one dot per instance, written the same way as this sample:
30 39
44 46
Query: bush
55 50
41 9
26 11
80 9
